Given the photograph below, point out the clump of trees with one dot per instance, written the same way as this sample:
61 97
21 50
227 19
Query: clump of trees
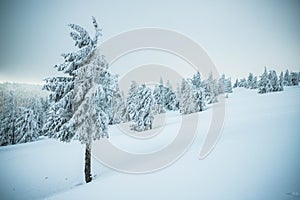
22 119
269 81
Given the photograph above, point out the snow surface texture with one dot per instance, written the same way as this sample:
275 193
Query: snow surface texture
257 157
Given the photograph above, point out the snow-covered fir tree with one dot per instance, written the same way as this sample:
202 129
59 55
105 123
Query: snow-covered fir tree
196 80
132 101
144 118
159 97
165 98
254 83
118 107
281 79
211 89
294 78
7 121
171 101
27 124
243 83
221 85
227 85
250 81
198 92
199 98
264 82
272 76
287 78
187 103
81 100
236 83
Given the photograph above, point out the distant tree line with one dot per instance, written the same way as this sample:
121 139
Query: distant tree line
269 81
20 124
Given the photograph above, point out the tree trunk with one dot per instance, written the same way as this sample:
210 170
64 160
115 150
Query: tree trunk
87 170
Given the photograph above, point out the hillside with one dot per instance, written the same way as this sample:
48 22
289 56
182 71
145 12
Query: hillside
257 157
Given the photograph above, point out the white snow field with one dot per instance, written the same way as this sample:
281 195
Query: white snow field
257 157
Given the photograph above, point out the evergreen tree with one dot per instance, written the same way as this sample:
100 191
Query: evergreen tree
264 83
171 101
243 83
27 125
250 81
81 100
280 82
227 86
185 97
198 87
287 78
254 83
159 97
199 98
211 90
221 85
236 84
294 78
196 80
144 118
165 98
118 107
132 101
188 101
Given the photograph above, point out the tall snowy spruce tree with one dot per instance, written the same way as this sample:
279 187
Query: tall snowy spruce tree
287 79
144 109
236 83
165 98
171 101
28 123
250 81
190 99
81 99
198 87
211 89
274 81
294 78
264 82
228 85
159 96
281 82
118 107
132 101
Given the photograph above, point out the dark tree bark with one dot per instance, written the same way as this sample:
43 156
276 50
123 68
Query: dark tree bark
87 169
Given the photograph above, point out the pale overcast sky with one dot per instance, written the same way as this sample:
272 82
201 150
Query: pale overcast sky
239 36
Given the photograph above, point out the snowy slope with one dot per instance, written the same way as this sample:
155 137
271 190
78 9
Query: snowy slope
257 157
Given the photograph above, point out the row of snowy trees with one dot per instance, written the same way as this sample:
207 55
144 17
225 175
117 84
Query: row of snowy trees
26 123
20 124
195 93
269 81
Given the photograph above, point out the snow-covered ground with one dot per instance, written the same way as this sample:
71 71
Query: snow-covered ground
257 157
